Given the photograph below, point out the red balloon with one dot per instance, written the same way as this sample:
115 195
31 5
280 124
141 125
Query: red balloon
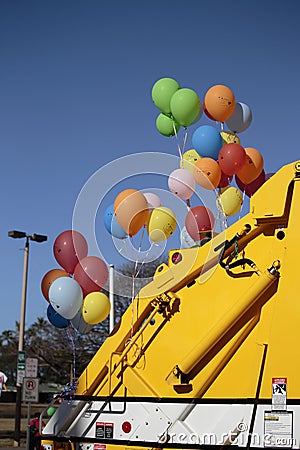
48 279
232 157
91 273
198 220
252 187
69 247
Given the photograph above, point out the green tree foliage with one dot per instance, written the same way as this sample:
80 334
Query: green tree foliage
63 353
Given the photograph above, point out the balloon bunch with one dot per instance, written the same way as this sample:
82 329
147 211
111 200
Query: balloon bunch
220 162
216 156
178 106
182 183
132 210
73 292
222 152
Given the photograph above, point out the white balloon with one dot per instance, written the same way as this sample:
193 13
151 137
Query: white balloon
240 119
65 295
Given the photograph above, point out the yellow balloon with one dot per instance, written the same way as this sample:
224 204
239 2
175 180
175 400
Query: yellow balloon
229 138
161 224
231 200
189 159
95 307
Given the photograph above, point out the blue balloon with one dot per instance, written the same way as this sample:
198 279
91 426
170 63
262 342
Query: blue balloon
65 295
207 141
56 319
112 225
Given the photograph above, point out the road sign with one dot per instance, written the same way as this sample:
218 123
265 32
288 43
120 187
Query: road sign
20 375
21 366
30 390
31 368
21 356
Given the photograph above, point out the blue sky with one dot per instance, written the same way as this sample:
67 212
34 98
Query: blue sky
75 95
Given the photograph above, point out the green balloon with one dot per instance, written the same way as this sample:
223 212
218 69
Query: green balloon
50 411
162 93
167 125
185 106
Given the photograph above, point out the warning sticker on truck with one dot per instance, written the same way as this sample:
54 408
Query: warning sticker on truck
279 388
104 430
278 429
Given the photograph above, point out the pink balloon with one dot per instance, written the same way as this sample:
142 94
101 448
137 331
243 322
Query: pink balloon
252 187
182 183
153 200
69 247
91 273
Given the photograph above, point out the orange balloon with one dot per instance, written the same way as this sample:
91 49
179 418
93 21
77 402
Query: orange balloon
219 102
48 279
207 173
131 210
253 167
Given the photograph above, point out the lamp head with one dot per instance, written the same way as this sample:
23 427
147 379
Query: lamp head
21 234
17 234
38 237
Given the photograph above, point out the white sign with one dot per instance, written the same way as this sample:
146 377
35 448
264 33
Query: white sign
30 390
278 429
20 376
31 368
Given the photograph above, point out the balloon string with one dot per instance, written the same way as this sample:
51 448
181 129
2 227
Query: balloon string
139 251
81 322
134 275
120 250
144 260
184 139
178 146
132 305
244 193
221 217
127 252
72 384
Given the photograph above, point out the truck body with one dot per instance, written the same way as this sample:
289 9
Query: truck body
208 353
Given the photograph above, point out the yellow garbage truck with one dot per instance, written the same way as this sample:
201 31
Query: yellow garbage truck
206 356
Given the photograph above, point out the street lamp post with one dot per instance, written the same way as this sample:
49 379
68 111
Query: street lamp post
36 238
